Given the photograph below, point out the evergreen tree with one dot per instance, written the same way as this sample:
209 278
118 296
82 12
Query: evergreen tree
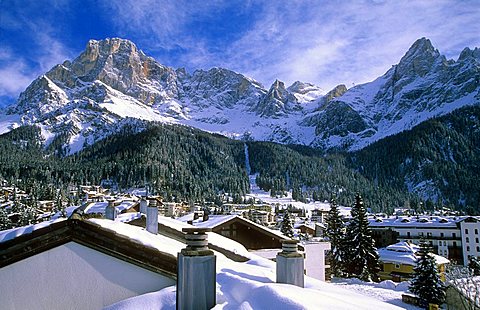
287 225
427 284
362 256
336 234
474 265
59 207
5 222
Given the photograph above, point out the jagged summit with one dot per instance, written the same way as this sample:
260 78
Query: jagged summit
419 59
468 53
85 99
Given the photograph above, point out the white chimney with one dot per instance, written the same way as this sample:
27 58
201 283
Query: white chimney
143 205
110 210
290 264
196 274
152 217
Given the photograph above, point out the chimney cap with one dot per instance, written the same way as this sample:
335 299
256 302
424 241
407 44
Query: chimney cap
289 241
200 230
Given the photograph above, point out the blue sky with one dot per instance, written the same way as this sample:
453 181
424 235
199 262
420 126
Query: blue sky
323 42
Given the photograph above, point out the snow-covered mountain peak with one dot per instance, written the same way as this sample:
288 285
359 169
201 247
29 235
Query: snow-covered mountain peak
112 80
468 53
305 92
419 59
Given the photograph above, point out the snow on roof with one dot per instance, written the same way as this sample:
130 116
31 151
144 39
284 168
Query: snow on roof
139 234
213 238
252 286
213 221
309 225
128 217
405 253
216 220
249 285
99 207
413 221
12 233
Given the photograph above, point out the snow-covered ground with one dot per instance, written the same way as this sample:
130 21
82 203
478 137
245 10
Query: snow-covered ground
387 291
259 194
249 285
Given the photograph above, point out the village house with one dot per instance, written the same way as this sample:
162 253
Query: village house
250 234
398 260
453 237
94 262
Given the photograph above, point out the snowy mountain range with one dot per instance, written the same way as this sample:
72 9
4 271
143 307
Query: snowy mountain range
113 83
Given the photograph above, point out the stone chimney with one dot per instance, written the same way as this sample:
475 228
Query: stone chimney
110 210
196 274
290 264
143 205
152 217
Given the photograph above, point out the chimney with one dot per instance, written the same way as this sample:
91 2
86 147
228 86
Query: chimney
110 210
143 205
152 217
196 274
290 264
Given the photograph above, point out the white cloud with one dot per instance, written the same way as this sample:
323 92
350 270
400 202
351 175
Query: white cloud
14 74
348 42
17 71
326 42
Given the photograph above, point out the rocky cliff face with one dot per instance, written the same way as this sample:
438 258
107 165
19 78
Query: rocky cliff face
112 81
422 85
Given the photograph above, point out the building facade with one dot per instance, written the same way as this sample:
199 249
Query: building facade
454 238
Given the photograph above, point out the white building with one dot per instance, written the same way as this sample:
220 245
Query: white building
451 237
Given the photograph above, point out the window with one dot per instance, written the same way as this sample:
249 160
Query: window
441 235
476 231
429 234
397 266
468 248
478 248
408 234
467 240
476 240
466 231
454 235
454 244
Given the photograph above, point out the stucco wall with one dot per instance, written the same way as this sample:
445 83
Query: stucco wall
315 259
73 276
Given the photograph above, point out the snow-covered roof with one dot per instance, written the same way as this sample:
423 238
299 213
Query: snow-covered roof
12 233
213 238
249 285
252 285
139 234
413 221
99 207
216 220
405 253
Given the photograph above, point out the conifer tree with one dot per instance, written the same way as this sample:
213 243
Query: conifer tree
427 284
336 234
474 265
5 222
287 225
362 256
